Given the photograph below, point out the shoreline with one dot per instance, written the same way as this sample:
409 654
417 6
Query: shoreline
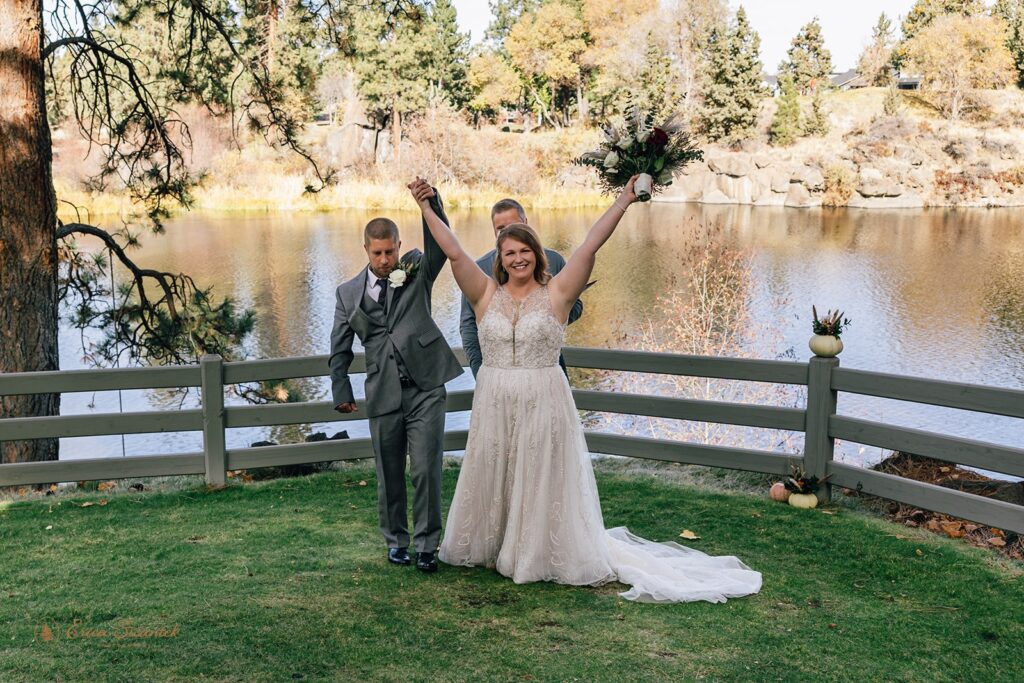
104 205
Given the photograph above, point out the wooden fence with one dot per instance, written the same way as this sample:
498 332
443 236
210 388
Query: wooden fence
823 378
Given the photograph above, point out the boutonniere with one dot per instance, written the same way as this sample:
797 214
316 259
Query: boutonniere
404 271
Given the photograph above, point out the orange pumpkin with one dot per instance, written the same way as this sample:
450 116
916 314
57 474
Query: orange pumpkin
778 492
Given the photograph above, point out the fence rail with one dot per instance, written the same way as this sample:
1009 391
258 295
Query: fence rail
819 421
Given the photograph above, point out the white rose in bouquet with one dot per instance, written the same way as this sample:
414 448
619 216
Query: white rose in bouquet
612 160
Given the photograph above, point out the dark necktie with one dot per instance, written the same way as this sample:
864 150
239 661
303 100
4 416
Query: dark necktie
382 283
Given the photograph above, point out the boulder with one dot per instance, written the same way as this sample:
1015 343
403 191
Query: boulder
735 165
780 181
799 197
716 196
878 187
737 189
762 160
809 177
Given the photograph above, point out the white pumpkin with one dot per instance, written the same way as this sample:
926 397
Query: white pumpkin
803 500
825 345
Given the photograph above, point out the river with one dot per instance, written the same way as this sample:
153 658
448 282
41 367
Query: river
934 293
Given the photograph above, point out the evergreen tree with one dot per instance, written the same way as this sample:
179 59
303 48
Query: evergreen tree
875 63
658 93
504 15
1012 12
817 123
735 90
393 60
786 124
808 62
451 55
892 105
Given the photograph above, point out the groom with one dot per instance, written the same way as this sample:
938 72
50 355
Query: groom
407 364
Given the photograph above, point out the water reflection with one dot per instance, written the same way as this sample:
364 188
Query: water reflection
936 293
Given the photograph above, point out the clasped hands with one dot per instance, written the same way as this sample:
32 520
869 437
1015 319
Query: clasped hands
421 191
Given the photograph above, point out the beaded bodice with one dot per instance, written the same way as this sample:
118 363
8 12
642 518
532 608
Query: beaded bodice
521 333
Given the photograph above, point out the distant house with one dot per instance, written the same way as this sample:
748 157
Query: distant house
837 81
909 82
847 80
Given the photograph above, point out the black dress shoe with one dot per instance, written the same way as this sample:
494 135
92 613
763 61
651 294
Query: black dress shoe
398 556
425 562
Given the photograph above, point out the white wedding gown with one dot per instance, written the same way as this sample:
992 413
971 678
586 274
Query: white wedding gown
526 501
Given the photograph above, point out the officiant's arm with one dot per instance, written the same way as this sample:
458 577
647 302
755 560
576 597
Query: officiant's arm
572 280
341 359
433 255
471 280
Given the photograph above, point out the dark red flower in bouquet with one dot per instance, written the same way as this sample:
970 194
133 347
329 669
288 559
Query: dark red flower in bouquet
659 138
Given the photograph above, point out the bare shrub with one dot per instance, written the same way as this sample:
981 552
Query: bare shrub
959 149
840 184
708 312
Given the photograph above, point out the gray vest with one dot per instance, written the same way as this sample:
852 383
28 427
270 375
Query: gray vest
376 313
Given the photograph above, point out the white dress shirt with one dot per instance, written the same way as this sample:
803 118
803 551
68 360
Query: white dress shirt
372 290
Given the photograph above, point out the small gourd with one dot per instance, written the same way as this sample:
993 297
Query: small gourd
778 492
803 500
825 345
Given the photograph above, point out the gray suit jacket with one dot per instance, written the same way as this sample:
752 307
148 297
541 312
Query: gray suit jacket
467 322
407 329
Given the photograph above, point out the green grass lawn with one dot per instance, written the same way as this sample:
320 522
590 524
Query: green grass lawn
287 580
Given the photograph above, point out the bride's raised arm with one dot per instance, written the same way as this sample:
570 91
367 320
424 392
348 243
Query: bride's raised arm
567 286
471 280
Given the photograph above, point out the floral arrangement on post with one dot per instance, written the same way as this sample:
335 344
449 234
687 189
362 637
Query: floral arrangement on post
825 342
801 488
640 147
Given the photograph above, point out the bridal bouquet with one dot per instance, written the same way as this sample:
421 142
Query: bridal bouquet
655 152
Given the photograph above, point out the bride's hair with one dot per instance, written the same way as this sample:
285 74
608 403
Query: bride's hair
521 232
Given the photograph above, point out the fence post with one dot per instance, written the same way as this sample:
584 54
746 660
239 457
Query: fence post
212 371
821 403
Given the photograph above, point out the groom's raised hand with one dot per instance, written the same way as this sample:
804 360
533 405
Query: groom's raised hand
421 190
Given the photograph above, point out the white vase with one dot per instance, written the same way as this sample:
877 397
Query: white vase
825 346
643 187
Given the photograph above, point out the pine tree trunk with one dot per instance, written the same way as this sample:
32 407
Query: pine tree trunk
396 137
28 250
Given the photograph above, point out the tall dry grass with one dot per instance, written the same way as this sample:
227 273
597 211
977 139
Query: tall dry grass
473 168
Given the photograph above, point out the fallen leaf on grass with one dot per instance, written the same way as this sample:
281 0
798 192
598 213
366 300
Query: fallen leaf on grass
362 483
49 527
87 504
954 529
918 552
998 542
828 512
106 485
689 535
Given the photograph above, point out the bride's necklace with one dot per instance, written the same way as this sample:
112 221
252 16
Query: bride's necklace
515 318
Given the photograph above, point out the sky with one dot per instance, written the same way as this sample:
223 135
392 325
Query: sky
846 25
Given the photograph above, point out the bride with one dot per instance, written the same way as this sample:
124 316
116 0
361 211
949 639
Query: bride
526 501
